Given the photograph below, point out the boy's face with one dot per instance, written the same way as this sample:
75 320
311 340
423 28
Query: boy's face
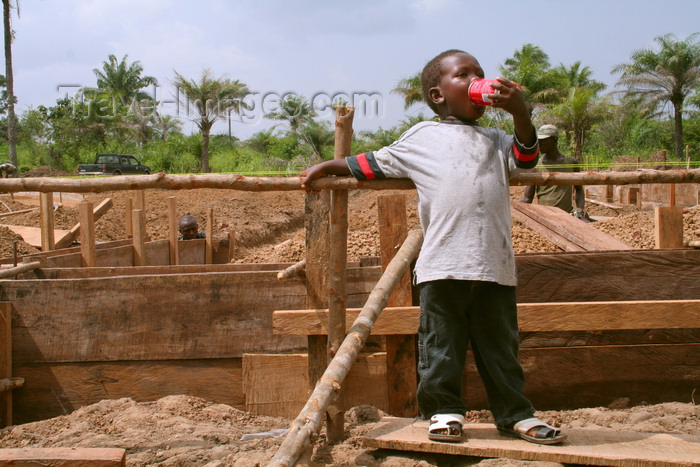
451 95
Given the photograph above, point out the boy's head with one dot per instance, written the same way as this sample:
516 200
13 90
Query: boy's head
445 82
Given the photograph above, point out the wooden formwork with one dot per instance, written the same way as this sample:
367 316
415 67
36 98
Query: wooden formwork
82 335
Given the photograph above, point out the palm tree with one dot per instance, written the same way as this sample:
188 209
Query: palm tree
121 84
410 89
316 136
669 74
577 114
210 98
296 110
10 83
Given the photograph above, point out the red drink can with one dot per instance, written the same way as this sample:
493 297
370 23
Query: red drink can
479 89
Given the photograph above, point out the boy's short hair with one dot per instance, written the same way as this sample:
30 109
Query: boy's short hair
430 76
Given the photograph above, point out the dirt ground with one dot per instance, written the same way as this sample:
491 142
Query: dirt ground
187 431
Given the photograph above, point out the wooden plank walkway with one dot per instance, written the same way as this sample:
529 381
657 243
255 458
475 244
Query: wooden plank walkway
583 446
563 229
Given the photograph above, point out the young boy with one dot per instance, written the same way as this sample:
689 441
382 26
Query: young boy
466 267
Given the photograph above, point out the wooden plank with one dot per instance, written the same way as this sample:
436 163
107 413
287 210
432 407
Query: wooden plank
574 377
67 239
208 315
87 235
55 389
668 227
607 276
191 251
64 457
582 234
532 317
583 446
267 388
554 237
401 358
5 362
556 378
32 235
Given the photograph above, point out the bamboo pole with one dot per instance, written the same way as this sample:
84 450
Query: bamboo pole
292 270
19 269
7 384
337 279
164 181
309 420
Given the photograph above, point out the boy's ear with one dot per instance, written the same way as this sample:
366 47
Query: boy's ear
435 95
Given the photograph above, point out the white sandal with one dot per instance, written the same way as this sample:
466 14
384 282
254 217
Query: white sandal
446 427
545 434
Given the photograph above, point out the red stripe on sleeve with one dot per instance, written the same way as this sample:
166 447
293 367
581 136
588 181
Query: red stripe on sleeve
524 157
364 166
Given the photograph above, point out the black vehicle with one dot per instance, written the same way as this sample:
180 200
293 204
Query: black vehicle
114 164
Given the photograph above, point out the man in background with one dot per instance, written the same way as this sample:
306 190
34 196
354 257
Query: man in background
554 161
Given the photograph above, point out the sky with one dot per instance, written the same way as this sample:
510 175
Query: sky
358 50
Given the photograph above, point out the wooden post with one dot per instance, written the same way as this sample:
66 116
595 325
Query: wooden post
208 243
672 195
87 235
47 233
140 202
633 196
668 229
309 420
231 244
402 370
5 361
609 193
139 229
337 281
129 209
316 212
172 231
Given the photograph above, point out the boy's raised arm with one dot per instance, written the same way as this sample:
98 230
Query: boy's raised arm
323 169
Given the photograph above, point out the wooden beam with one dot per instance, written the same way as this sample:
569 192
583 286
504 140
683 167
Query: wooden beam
401 358
64 457
532 317
73 233
164 181
337 269
208 251
87 235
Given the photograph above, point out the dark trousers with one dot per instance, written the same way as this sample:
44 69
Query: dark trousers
453 315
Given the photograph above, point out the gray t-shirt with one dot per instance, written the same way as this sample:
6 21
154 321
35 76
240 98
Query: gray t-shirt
461 174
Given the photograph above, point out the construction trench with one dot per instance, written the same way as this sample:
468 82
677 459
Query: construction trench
146 319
